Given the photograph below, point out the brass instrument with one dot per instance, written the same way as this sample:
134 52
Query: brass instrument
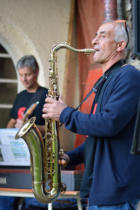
45 153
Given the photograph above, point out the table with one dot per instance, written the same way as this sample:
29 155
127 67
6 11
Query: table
28 193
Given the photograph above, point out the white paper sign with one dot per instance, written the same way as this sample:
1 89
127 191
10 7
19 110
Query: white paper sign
13 152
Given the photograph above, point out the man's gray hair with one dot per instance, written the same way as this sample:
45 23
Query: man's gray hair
28 61
121 32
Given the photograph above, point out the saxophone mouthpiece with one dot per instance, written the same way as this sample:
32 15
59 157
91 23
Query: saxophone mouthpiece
37 102
30 110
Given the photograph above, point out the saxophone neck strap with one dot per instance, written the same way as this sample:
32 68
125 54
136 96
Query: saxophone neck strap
84 99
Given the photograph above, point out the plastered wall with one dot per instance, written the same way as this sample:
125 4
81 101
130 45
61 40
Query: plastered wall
33 27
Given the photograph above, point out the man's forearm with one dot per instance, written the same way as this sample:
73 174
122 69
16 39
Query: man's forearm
11 123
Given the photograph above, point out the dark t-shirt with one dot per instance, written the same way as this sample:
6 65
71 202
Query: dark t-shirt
25 99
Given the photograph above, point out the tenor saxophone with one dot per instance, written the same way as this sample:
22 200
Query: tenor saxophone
45 152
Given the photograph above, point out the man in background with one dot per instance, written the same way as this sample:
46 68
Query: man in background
28 103
28 71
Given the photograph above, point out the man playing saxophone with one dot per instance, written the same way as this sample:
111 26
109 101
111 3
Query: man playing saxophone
112 175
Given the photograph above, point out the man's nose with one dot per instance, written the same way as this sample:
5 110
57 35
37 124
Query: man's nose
94 41
24 78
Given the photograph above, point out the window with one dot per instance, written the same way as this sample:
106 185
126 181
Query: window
8 86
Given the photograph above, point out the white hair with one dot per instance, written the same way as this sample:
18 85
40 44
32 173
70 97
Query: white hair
28 61
121 33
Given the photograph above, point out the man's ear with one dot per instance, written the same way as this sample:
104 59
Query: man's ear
121 46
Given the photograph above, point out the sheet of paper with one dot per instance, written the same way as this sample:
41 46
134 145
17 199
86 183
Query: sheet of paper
13 152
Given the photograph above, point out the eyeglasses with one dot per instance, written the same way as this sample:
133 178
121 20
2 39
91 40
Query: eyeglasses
125 26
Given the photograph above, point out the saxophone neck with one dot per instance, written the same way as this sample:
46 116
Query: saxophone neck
67 46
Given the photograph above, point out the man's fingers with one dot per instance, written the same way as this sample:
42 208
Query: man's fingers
52 108
62 162
49 100
61 99
47 116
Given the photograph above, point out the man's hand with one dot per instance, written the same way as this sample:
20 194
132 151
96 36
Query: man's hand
64 160
11 123
53 108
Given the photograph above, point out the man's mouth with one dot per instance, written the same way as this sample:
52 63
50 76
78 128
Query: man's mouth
96 49
25 83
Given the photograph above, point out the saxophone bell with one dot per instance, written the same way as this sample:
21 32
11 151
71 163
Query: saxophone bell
45 181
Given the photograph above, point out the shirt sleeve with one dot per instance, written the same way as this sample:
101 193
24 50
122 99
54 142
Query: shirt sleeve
77 155
118 110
